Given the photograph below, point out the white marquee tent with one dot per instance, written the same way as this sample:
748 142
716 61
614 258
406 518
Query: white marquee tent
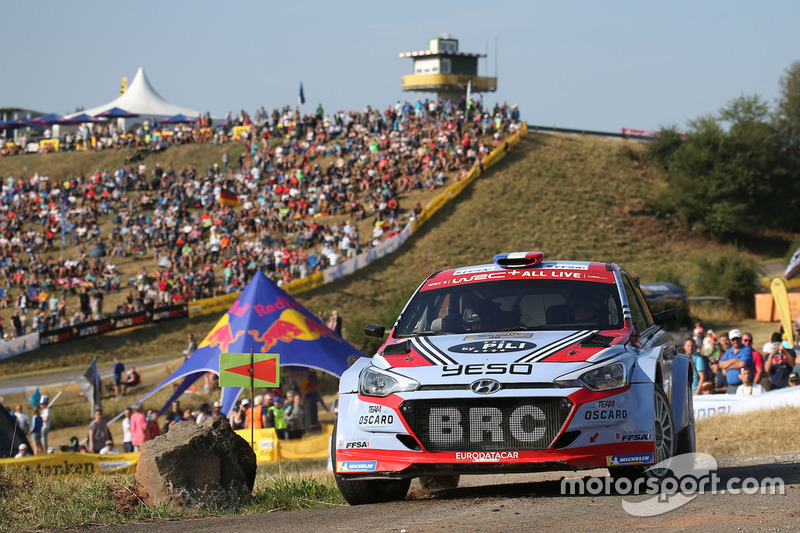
142 99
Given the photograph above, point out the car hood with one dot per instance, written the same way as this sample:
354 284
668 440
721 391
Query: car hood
573 348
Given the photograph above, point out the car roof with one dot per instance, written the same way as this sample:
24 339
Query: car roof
553 270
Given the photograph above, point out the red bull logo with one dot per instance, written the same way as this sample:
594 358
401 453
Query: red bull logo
291 325
221 335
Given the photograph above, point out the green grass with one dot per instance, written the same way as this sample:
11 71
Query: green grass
35 503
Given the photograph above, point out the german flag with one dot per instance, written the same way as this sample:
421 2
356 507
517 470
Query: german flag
226 197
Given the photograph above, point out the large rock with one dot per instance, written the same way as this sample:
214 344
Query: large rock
207 465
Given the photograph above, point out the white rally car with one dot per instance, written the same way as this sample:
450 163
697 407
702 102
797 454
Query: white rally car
522 365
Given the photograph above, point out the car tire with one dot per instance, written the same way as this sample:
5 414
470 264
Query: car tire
365 491
439 482
665 439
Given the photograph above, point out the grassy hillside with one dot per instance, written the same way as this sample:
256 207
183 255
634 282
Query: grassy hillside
571 197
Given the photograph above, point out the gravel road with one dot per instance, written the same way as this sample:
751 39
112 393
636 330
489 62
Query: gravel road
524 503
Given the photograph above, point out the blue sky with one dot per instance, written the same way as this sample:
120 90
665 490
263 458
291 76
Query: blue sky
597 65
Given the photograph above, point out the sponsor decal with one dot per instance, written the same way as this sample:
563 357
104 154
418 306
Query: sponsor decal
499 346
114 465
356 444
569 267
631 459
375 420
477 369
473 270
356 466
606 414
486 457
632 437
510 334
526 424
605 403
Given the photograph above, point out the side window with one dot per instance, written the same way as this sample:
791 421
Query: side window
639 313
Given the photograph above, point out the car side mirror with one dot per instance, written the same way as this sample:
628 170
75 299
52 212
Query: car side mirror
374 331
665 316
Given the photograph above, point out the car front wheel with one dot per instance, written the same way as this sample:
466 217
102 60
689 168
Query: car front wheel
363 491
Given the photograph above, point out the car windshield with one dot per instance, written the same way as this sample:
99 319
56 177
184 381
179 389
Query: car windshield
513 305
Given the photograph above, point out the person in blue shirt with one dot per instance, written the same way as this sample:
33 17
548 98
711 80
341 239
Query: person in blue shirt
735 358
699 369
119 371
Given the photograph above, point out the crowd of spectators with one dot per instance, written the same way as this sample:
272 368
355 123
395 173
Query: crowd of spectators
731 363
294 169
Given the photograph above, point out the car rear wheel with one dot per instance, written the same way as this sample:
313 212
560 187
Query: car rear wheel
364 491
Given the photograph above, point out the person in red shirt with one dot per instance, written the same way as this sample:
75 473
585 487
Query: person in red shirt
758 361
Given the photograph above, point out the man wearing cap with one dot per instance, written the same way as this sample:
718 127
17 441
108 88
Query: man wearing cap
23 451
735 358
108 448
216 409
276 418
253 414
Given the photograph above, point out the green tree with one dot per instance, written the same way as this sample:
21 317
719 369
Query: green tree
733 276
730 180
787 113
664 145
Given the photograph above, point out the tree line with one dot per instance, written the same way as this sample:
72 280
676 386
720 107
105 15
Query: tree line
736 170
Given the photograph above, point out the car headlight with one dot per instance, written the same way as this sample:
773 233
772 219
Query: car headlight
375 382
613 376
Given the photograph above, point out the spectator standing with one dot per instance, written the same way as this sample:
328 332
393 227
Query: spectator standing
98 432
204 414
119 371
758 359
127 435
735 358
23 421
295 417
748 388
335 323
139 433
276 418
153 430
779 363
253 414
44 412
36 432
237 416
190 348
699 369
174 416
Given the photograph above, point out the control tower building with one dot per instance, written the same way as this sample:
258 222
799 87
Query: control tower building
443 70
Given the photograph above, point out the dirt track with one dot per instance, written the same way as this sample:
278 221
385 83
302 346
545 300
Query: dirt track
527 503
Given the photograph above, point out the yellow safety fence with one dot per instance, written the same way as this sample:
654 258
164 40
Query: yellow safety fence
266 444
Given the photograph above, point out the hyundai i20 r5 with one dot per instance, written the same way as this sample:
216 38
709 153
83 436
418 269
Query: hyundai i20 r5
522 365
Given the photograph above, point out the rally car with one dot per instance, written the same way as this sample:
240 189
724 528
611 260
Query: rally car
521 365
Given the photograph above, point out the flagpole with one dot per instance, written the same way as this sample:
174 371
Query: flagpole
252 400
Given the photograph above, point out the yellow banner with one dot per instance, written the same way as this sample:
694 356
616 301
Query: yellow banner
269 448
65 464
212 305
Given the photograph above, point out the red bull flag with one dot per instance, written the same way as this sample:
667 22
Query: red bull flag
266 320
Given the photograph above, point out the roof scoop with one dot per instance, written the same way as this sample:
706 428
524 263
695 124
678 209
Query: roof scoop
518 259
